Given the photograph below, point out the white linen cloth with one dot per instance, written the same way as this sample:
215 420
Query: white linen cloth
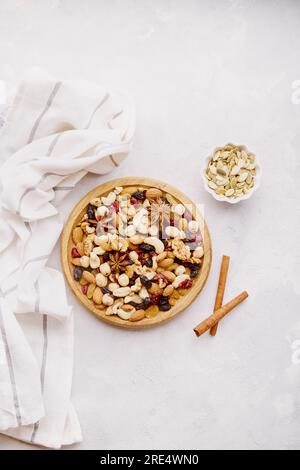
55 132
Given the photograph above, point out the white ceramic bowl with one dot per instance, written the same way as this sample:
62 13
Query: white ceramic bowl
231 200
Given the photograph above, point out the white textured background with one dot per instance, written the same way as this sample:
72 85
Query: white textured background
202 73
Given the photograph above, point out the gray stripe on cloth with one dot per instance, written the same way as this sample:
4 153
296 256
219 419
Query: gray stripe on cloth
114 161
11 370
43 370
47 106
96 109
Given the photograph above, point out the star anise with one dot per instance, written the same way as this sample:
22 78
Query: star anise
118 262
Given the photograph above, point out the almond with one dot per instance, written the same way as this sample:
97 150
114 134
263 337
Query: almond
90 291
169 276
165 263
153 193
89 277
79 247
77 235
97 296
137 315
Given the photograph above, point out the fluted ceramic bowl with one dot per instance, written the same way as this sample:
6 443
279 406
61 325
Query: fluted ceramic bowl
231 200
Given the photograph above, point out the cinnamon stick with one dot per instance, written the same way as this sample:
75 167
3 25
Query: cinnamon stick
221 289
219 314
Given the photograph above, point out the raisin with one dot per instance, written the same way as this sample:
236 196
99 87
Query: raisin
194 270
147 302
145 247
106 257
90 211
163 300
139 195
148 262
146 282
78 273
105 290
164 307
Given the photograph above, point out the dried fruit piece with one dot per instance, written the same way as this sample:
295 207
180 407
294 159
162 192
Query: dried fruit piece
152 311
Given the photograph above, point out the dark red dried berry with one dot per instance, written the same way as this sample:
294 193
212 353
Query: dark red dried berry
187 284
155 298
84 289
75 253
115 207
134 201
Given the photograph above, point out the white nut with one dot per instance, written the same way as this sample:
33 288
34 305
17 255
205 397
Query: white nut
101 239
113 286
118 189
179 209
107 300
193 226
199 252
143 293
133 256
98 250
102 211
85 261
118 303
124 315
130 231
110 199
133 298
96 202
122 291
153 230
156 243
172 232
105 269
136 240
179 279
142 228
94 260
123 280
101 280
180 270
89 229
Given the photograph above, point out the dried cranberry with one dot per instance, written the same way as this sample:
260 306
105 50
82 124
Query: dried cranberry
155 298
134 201
90 211
75 253
187 284
77 273
114 207
146 282
84 289
139 195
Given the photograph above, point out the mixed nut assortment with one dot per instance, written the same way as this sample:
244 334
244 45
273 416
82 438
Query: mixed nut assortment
231 171
136 251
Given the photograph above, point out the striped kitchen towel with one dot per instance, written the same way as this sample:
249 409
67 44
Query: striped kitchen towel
55 132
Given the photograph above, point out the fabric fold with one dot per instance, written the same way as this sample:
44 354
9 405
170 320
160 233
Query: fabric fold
55 133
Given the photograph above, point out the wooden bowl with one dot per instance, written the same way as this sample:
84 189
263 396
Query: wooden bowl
66 244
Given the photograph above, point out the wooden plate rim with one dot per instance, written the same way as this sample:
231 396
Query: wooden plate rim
182 303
